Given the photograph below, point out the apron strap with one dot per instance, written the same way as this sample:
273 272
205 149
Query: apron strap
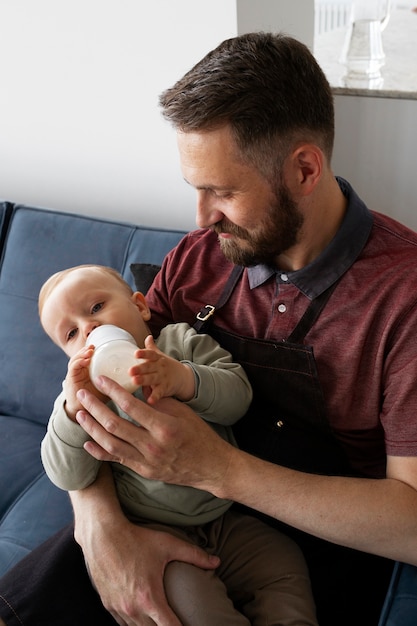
205 314
311 314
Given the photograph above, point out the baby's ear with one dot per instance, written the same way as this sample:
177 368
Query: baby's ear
140 301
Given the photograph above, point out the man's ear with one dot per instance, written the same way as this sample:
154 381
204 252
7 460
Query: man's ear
140 301
307 165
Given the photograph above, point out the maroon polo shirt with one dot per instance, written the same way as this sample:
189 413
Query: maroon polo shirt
364 342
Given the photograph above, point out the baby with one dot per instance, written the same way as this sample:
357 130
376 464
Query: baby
194 369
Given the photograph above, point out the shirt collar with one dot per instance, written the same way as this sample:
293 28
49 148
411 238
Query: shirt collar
335 259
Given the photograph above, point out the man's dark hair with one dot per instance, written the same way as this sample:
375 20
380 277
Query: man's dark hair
270 90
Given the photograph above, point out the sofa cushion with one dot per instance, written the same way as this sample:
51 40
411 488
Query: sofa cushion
40 510
143 275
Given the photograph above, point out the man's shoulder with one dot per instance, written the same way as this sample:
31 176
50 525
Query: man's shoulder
392 245
391 255
389 230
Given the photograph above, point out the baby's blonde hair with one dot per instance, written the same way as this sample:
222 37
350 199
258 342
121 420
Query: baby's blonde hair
54 280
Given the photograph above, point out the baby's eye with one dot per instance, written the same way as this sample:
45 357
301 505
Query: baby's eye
71 334
97 307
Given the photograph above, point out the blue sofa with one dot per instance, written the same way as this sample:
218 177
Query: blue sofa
34 243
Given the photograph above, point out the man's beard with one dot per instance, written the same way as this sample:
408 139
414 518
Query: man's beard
278 232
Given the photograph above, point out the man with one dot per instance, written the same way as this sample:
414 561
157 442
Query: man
323 318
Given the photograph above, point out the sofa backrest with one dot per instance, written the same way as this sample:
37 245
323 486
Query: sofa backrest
37 243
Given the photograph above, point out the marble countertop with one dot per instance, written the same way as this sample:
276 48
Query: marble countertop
398 74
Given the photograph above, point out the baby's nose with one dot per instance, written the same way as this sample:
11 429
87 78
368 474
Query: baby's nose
89 329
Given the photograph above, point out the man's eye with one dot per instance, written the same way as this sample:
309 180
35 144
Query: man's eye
97 307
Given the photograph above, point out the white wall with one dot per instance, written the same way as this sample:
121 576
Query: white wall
375 149
296 17
80 128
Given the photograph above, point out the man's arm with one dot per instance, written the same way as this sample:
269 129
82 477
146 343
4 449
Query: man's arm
174 445
374 515
126 561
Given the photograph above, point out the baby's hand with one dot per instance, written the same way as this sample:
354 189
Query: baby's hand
78 377
162 376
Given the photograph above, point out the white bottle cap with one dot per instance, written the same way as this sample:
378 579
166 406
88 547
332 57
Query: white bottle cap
114 354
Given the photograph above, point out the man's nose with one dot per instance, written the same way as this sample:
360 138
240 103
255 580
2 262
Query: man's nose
207 214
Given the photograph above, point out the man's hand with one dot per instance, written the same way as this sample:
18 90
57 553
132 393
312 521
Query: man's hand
127 562
130 580
173 444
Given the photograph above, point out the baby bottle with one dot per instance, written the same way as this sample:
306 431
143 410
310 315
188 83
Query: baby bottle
113 354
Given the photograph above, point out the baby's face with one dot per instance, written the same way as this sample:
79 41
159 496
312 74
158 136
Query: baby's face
87 298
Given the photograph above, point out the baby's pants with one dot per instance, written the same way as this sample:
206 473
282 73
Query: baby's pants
262 578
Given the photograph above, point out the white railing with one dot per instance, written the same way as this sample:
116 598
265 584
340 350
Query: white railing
330 15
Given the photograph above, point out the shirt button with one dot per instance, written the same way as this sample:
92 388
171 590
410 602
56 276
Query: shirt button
282 308
284 277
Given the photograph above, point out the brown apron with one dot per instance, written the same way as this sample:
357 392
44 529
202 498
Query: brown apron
287 422
287 425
